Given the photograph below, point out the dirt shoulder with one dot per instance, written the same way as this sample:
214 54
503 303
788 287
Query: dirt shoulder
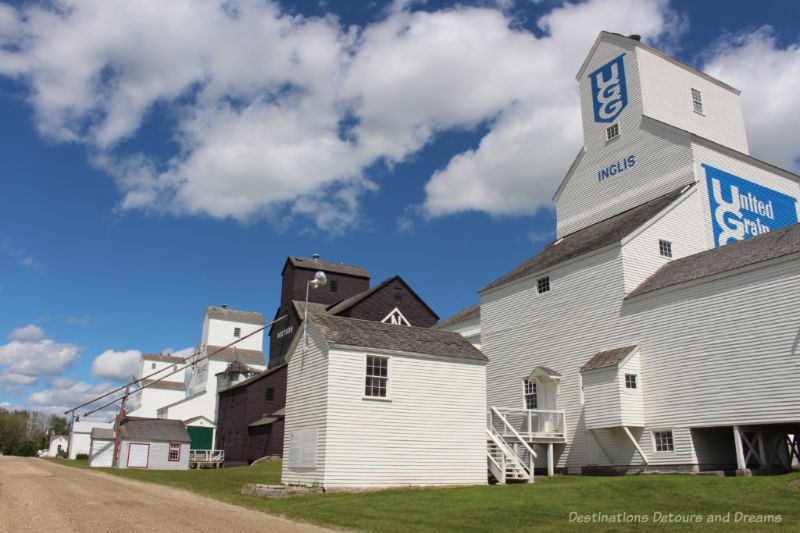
38 495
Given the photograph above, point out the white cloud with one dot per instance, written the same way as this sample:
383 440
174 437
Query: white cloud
277 116
768 77
119 366
63 393
16 379
33 264
42 357
28 333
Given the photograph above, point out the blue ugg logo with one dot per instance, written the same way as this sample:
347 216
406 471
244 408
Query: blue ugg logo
741 208
609 94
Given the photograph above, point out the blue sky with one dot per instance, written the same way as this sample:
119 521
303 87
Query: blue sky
160 157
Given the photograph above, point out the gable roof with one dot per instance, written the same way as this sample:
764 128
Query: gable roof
251 379
162 429
163 358
588 239
370 334
313 307
633 42
771 245
163 384
316 264
462 316
233 315
347 303
608 358
99 433
232 353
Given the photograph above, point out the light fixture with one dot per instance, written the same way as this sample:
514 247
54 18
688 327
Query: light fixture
319 281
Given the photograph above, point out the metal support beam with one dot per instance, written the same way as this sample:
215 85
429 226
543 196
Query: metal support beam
635 444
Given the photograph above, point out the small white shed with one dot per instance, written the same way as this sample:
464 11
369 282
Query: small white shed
80 439
101 448
379 405
153 443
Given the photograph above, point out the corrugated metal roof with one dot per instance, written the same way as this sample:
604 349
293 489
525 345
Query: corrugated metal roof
771 245
368 334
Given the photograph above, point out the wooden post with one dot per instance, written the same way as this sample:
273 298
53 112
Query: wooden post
550 467
741 464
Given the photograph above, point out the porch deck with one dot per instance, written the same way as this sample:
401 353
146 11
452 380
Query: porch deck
199 458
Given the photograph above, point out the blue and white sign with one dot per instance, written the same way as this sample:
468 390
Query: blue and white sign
609 92
741 208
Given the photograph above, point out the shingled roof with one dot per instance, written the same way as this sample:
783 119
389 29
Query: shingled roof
771 245
462 316
369 334
316 264
608 358
163 358
161 429
233 315
164 385
588 239
250 357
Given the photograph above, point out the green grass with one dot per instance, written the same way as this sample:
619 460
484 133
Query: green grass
543 506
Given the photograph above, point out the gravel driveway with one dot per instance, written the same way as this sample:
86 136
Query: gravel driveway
38 495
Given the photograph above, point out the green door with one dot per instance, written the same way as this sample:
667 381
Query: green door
201 438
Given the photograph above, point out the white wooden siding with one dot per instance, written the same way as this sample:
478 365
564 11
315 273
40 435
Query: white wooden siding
681 225
663 162
631 401
667 96
602 398
429 431
102 453
158 458
306 403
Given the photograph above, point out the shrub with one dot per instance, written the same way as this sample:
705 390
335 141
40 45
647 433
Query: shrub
82 457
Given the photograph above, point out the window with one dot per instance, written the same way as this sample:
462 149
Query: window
697 101
543 284
237 332
377 376
174 452
531 400
334 285
663 441
398 295
154 366
269 394
665 248
630 381
612 132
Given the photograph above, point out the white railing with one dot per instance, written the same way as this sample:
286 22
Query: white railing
529 423
520 455
207 456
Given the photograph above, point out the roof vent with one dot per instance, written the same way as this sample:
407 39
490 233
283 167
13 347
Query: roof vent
635 37
224 306
316 257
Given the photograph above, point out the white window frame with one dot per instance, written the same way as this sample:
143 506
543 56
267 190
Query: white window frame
612 132
655 436
530 392
237 332
386 379
634 381
665 248
543 284
697 101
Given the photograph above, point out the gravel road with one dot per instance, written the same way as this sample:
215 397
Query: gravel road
38 495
